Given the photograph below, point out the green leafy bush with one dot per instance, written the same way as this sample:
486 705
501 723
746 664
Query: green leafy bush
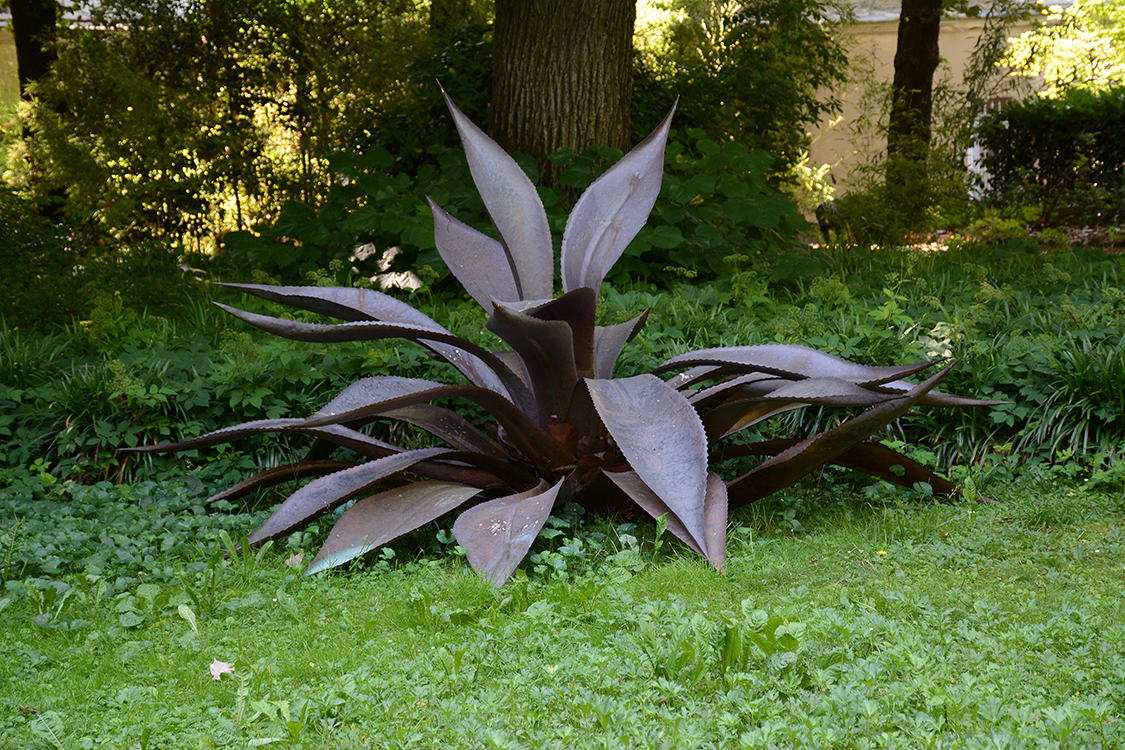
718 214
57 271
1065 155
761 72
199 117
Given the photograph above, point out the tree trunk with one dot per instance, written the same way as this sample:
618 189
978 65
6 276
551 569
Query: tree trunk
908 135
33 28
562 75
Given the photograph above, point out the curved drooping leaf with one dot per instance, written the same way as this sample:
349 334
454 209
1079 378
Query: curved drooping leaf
364 393
355 305
640 493
484 470
875 459
514 207
220 436
610 340
520 430
322 495
762 399
450 426
800 459
704 396
379 519
345 303
373 390
611 211
660 434
280 475
457 351
497 534
787 361
715 510
937 398
479 262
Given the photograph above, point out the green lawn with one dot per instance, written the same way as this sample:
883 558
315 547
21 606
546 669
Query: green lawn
882 623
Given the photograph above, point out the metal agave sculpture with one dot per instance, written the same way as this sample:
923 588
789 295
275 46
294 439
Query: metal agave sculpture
565 428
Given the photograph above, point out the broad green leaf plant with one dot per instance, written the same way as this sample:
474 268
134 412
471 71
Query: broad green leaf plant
564 428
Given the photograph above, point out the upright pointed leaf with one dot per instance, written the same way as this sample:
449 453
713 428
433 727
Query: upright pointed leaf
610 340
546 349
376 520
578 309
661 436
612 210
479 262
497 534
514 207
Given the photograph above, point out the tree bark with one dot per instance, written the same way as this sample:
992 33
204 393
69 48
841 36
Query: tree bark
908 134
33 29
562 76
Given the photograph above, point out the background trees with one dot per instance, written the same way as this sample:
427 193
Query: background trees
1079 47
908 133
33 28
762 72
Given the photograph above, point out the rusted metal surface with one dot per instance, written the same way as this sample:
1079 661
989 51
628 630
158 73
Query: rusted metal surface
561 426
497 534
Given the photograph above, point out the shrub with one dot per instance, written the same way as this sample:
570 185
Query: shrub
1064 155
60 269
719 214
760 72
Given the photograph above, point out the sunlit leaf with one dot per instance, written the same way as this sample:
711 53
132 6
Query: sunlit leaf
611 212
514 207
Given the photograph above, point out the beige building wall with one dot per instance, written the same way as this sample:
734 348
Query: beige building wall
873 45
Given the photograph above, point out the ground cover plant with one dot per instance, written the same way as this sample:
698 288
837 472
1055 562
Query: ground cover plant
564 427
886 622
